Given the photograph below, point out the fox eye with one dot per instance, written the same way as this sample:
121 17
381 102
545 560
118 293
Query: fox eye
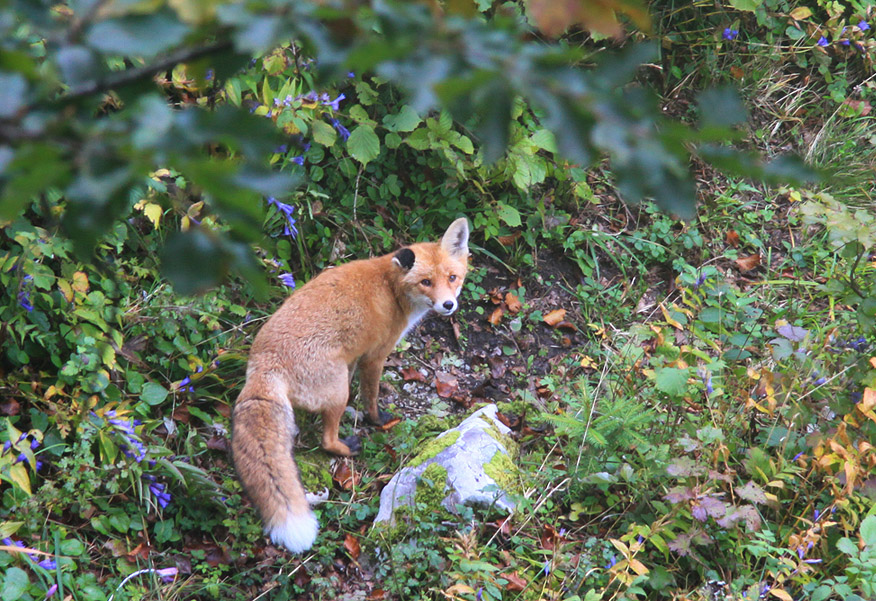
451 278
427 282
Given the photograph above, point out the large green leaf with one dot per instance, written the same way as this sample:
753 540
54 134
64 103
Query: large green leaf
137 35
363 144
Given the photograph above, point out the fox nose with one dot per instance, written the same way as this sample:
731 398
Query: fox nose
449 305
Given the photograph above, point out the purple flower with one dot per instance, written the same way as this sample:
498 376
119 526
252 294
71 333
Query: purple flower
797 456
161 495
547 568
701 279
863 25
730 34
298 161
822 41
708 381
343 131
281 149
52 590
287 210
288 280
185 384
24 301
48 564
209 75
611 561
820 381
333 104
350 74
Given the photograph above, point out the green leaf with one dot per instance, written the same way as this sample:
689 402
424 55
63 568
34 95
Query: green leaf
868 531
15 583
137 35
323 133
363 144
672 380
847 546
405 120
153 394
747 5
508 214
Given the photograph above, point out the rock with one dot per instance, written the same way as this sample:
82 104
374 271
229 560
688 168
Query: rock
471 464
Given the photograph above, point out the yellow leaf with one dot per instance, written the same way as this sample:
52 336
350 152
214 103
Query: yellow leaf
588 362
638 567
460 589
781 594
776 484
159 173
185 223
620 547
673 322
66 290
80 282
18 474
153 212
800 13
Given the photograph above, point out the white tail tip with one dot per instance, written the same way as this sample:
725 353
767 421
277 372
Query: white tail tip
297 533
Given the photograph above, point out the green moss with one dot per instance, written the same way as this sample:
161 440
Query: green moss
430 425
431 488
433 447
503 439
504 472
314 468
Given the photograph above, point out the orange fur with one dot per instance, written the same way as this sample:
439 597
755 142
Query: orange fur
348 317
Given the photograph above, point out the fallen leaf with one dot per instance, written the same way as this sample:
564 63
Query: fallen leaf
412 374
445 384
859 107
141 551
344 475
497 367
566 325
389 425
800 13
218 443
458 589
9 407
509 240
181 414
555 317
513 303
377 594
587 362
510 421
515 582
496 296
351 544
496 316
748 263
733 238
737 72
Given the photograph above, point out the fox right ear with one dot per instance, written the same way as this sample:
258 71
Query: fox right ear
404 258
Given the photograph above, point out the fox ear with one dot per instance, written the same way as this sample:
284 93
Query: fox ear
455 239
404 258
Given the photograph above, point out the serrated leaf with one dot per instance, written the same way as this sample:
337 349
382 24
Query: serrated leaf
405 120
323 133
508 214
672 380
363 144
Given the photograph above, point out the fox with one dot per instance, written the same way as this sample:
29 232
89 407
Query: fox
347 318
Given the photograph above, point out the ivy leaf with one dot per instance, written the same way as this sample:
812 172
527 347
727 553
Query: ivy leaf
363 144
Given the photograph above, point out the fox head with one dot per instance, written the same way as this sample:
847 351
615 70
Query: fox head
433 272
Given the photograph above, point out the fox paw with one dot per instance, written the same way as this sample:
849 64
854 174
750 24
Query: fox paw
354 443
382 418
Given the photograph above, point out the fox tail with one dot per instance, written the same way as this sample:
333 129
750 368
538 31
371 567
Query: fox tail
263 432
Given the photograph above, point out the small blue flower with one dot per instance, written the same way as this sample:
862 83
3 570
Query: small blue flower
701 279
288 280
797 456
298 160
333 104
48 564
547 568
343 131
822 41
209 75
708 381
167 574
820 381
281 149
51 592
730 34
24 300
863 25
350 74
611 562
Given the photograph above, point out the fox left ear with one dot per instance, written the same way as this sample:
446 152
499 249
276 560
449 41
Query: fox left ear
455 239
404 258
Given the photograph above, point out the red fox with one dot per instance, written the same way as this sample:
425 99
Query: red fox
348 317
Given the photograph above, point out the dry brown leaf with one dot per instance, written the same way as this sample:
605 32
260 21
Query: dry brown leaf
412 374
389 425
513 303
733 238
445 384
748 263
516 583
496 316
509 240
345 476
555 317
351 544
